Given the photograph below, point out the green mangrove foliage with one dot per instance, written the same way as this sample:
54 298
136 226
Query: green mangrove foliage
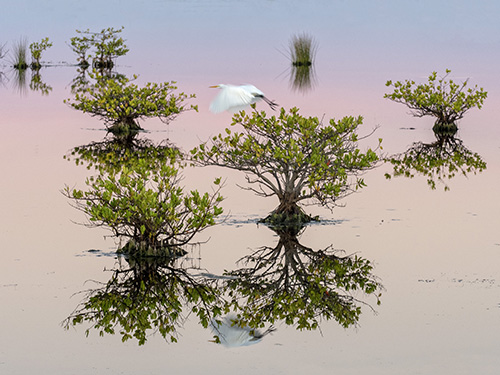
104 47
81 81
21 82
288 283
140 200
37 84
300 286
442 98
292 157
144 297
20 53
439 161
81 45
114 153
121 104
36 49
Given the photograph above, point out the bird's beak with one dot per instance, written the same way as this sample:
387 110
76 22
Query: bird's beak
213 87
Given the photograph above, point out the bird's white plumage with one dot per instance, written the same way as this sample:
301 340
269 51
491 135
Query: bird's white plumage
231 335
233 98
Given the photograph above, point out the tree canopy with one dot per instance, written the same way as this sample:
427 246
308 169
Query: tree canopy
106 44
121 104
442 98
292 157
137 195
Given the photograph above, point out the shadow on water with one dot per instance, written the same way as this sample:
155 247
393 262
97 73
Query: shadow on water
438 161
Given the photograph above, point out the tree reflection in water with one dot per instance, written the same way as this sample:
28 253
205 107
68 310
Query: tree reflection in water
438 161
288 283
230 331
20 82
147 295
300 286
37 84
114 152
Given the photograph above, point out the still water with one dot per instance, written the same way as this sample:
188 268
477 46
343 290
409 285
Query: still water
436 252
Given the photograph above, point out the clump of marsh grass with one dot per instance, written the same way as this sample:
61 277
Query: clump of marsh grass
302 54
20 54
302 50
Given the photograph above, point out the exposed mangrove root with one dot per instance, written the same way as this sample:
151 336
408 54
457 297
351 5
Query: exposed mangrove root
145 249
292 217
445 128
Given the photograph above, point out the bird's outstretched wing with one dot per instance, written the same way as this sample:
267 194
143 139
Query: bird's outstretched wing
232 99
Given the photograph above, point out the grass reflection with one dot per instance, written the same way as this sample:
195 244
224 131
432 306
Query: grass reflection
19 81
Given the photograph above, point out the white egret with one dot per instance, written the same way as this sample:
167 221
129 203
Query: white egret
231 335
236 98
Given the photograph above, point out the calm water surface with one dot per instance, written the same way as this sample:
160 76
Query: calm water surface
436 253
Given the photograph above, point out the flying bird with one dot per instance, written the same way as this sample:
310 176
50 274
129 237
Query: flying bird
236 98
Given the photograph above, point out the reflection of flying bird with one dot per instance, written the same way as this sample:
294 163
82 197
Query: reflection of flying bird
232 335
236 98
